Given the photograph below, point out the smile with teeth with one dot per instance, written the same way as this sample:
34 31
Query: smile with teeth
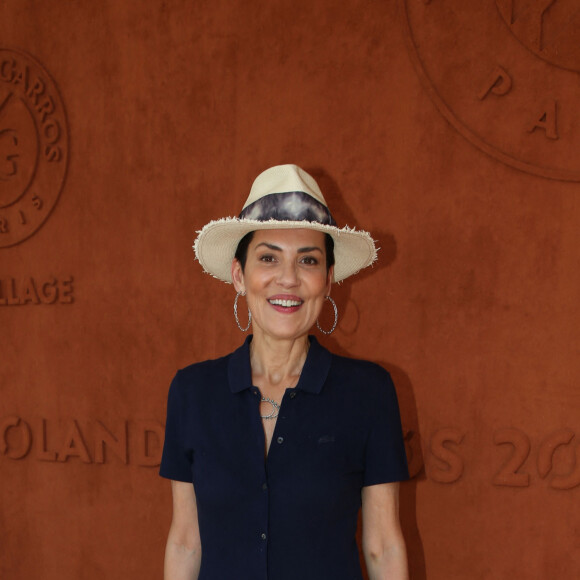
285 303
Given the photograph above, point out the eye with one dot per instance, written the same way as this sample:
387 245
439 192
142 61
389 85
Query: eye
267 258
310 260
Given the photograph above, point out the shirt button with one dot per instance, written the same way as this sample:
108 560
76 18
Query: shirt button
264 486
292 395
280 440
263 536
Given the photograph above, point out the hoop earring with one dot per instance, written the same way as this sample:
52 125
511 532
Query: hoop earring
236 313
335 317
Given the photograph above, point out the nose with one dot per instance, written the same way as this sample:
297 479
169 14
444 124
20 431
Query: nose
288 277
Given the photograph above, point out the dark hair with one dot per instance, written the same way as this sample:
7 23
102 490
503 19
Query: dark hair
242 250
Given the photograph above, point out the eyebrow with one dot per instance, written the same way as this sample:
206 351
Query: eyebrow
300 250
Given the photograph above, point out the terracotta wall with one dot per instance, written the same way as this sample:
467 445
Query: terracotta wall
449 129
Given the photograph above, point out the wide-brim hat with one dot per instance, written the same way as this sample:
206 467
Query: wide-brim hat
282 197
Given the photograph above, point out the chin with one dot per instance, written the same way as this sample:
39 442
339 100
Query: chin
282 333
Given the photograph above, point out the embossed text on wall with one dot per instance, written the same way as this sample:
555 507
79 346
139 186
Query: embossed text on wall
504 76
88 441
36 290
33 146
518 462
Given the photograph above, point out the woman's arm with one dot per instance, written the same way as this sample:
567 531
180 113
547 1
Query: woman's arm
383 543
183 550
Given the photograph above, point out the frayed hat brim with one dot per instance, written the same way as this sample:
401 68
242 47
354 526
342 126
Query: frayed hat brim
216 244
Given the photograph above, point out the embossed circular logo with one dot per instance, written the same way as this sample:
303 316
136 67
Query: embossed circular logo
549 28
505 76
33 146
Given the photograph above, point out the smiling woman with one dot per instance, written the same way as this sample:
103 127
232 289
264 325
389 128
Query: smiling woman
285 281
273 449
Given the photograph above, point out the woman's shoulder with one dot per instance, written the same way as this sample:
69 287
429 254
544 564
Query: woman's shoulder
358 365
364 385
360 374
205 366
207 372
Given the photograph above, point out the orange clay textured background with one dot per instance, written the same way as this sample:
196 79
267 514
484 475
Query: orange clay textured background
449 129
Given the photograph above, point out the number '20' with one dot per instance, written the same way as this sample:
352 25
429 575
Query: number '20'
513 472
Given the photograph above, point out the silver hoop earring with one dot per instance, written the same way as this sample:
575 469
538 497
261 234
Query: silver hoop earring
335 317
236 313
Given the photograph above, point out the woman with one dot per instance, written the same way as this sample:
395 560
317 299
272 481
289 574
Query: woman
282 440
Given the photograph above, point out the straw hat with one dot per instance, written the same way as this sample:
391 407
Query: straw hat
282 197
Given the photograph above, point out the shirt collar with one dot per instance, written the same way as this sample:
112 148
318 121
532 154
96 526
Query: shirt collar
311 380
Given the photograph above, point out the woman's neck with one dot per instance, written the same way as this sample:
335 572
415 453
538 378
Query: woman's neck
278 362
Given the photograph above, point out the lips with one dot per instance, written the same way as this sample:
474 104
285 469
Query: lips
287 303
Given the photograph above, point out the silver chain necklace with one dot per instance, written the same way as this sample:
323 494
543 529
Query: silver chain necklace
275 408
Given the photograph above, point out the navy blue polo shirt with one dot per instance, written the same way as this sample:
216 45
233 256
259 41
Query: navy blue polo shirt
293 514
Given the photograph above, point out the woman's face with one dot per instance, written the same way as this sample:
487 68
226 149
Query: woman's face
285 281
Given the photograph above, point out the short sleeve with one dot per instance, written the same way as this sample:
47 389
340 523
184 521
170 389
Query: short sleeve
175 462
386 460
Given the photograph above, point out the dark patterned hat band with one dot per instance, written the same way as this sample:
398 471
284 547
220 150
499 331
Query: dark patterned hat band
293 206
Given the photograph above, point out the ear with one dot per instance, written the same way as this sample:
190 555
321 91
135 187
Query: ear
329 279
238 276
